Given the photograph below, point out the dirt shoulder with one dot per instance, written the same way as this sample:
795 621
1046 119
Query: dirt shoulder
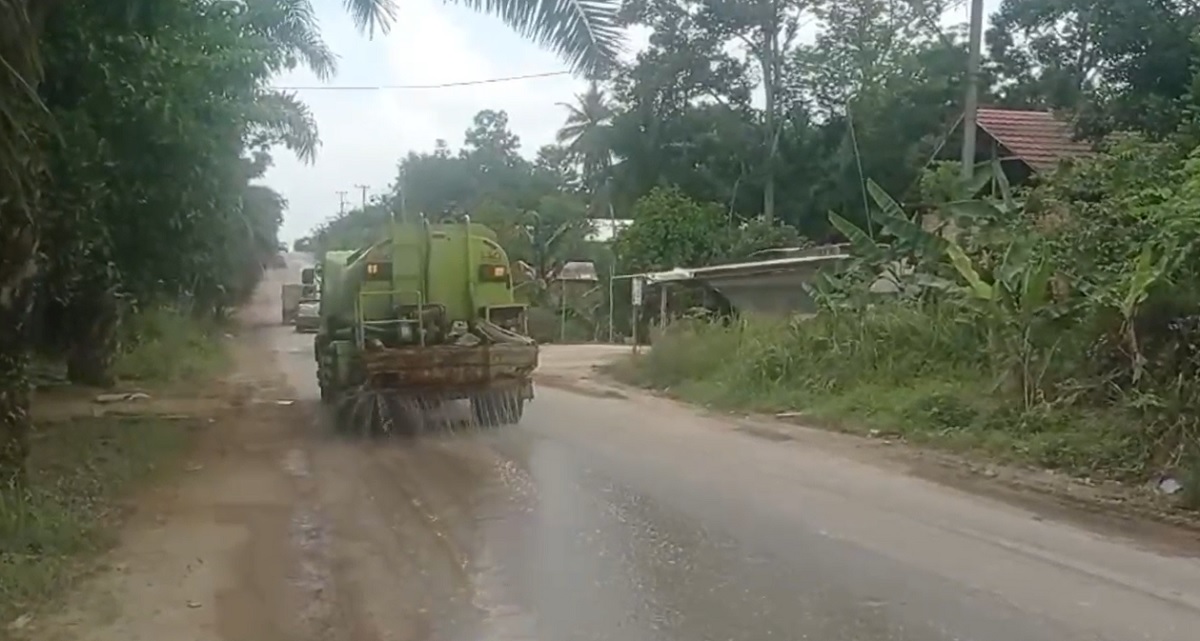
601 370
189 548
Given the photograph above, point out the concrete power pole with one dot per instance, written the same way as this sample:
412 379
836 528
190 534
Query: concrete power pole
341 203
401 192
971 103
363 188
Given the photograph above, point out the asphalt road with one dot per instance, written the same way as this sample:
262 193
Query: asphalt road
631 519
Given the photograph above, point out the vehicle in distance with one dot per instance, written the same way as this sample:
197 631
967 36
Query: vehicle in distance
308 315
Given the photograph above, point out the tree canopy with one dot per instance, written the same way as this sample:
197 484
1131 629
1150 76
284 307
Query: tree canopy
764 121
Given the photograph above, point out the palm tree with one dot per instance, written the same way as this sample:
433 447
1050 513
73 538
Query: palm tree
586 134
21 113
289 28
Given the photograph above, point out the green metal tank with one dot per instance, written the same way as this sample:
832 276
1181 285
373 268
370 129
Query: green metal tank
427 312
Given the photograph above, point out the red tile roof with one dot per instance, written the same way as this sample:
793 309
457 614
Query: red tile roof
1036 137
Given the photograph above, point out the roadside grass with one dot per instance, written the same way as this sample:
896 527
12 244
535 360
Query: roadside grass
167 346
79 471
82 468
898 373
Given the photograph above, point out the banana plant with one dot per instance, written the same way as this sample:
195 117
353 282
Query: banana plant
1011 302
905 261
1147 271
914 256
1020 284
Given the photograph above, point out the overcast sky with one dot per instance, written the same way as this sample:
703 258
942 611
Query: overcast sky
365 133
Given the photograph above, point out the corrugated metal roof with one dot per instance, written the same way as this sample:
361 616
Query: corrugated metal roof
747 268
1037 137
578 270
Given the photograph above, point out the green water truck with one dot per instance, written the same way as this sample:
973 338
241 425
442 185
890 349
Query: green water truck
420 318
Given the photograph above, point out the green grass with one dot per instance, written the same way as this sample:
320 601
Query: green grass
79 472
922 375
167 346
82 470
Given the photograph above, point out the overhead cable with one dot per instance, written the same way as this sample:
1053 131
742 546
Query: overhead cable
445 85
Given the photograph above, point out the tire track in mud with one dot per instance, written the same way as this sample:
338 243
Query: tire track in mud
330 608
397 572
315 612
309 535
456 483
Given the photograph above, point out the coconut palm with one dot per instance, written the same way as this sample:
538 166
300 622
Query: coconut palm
289 29
586 133
20 167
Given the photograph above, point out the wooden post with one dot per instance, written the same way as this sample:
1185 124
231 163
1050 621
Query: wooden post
635 312
662 307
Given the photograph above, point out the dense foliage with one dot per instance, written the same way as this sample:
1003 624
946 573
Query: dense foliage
147 129
761 123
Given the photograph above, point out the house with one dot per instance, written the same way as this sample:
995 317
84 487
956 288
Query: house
1027 142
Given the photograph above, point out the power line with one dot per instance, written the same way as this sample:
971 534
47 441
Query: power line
446 85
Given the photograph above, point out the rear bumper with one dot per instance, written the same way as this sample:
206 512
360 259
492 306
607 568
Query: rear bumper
453 370
305 324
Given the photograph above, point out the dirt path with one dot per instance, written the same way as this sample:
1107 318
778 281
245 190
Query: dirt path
240 546
206 555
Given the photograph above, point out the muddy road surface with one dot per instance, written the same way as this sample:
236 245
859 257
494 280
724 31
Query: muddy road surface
600 517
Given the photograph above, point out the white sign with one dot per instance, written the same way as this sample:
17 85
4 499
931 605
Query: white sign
636 294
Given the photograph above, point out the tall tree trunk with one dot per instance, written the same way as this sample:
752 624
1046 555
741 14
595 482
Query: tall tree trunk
770 68
94 315
18 264
21 172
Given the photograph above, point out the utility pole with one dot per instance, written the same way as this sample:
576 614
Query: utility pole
402 192
363 188
971 103
341 203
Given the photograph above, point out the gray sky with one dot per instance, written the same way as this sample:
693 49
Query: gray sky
365 133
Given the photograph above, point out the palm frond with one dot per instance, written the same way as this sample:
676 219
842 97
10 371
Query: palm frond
281 118
292 27
301 33
372 15
20 106
570 133
584 33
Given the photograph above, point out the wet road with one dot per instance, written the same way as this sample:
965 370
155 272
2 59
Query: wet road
635 519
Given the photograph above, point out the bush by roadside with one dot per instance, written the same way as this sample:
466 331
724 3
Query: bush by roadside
82 468
79 471
165 345
899 371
